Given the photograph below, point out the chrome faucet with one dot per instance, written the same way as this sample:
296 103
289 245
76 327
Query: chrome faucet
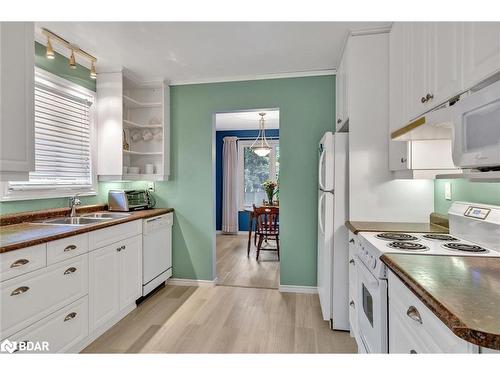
73 202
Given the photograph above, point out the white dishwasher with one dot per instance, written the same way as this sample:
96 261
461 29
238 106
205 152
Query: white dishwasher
157 251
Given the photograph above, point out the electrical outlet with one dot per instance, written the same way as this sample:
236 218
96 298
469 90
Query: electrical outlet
447 191
151 186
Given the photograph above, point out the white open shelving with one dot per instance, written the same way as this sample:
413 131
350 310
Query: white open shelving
136 128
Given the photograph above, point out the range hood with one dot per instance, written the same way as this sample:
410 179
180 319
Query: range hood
433 125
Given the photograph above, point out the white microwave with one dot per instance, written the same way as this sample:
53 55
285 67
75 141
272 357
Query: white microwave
476 130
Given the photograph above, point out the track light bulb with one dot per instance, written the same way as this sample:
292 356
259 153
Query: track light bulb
72 60
93 73
50 51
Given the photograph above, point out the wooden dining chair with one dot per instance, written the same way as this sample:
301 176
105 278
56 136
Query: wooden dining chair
267 227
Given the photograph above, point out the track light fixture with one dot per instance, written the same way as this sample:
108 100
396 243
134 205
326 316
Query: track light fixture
75 50
49 53
93 73
72 60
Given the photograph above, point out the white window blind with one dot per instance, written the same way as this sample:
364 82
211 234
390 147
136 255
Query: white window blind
62 140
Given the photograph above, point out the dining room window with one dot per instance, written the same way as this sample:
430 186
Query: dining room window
254 170
64 142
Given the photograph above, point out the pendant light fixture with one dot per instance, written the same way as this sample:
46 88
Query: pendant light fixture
260 145
49 53
72 60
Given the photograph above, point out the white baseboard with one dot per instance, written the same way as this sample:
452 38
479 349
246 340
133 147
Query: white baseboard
239 232
191 282
298 289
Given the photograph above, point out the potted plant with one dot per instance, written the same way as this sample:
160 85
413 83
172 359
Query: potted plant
270 188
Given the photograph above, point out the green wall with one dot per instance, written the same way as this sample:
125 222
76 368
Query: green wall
306 112
463 190
60 66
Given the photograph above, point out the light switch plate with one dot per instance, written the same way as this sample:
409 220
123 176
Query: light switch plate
447 191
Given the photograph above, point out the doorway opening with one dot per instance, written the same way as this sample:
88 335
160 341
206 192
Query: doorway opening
247 160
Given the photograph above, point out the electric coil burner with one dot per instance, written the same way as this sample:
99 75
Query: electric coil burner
407 246
464 247
396 237
440 237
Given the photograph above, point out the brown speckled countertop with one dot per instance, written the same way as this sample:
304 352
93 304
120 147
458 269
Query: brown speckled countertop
462 291
23 234
384 226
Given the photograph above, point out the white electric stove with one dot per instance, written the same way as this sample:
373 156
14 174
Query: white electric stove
474 231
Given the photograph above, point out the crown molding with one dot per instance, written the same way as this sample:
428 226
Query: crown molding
256 77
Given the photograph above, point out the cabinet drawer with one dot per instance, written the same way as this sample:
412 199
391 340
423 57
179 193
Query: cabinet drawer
29 298
61 330
18 262
106 236
432 335
66 248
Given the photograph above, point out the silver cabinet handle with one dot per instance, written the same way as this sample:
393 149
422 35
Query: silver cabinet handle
70 270
429 96
352 304
70 247
19 263
423 99
413 313
20 290
403 159
120 248
70 316
339 121
351 240
413 351
352 262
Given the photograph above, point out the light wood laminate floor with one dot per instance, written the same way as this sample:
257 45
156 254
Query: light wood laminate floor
234 268
221 319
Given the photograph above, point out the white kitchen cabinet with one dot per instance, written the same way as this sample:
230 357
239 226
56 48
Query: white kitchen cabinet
133 128
481 51
424 71
62 330
17 80
353 318
30 297
413 328
115 279
399 152
445 59
130 271
104 288
434 60
342 90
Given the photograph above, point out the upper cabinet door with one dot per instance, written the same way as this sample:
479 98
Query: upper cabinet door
398 94
418 69
445 54
481 54
17 80
339 96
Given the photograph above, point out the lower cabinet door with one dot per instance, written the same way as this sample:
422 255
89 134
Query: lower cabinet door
104 289
58 332
130 270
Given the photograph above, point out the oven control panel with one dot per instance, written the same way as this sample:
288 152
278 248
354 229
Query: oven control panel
477 212
369 256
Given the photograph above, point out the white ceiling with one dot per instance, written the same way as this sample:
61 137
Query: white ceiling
247 120
183 52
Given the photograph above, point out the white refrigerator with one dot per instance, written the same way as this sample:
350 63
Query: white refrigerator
333 248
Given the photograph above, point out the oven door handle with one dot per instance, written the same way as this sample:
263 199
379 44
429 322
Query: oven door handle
371 280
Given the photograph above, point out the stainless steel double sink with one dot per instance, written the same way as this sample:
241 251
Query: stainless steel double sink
86 219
